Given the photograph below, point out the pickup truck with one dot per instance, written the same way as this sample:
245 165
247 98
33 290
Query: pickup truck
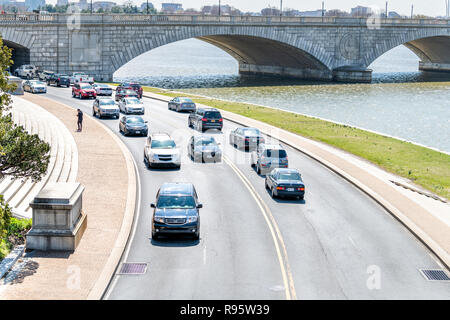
81 77
27 71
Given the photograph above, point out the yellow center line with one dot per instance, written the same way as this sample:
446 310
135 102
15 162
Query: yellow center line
275 232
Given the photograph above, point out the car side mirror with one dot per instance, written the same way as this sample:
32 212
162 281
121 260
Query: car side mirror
152 205
199 206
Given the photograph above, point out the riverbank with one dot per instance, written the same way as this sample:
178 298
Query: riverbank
425 167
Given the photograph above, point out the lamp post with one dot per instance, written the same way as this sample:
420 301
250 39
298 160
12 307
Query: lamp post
281 8
91 7
147 7
412 11
386 10
219 8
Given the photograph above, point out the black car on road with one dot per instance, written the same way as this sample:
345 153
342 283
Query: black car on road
285 183
246 138
176 210
58 80
133 125
204 149
205 118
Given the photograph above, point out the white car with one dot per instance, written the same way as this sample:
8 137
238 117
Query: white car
34 86
131 106
102 89
44 75
26 71
160 150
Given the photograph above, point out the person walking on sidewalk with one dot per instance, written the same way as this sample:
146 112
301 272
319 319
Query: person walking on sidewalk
80 120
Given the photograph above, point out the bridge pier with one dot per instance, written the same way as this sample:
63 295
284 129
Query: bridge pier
432 66
284 72
352 74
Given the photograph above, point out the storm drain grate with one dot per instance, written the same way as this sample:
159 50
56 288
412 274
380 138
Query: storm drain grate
133 268
435 274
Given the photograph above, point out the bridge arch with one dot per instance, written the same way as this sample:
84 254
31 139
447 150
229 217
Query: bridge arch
263 52
432 49
20 43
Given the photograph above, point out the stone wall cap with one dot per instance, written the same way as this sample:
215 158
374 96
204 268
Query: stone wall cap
58 193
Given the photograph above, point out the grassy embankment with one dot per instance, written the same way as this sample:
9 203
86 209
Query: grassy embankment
14 235
425 167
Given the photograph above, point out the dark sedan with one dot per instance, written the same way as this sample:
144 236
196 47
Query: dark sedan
182 104
176 210
285 183
204 149
133 125
58 80
125 93
246 138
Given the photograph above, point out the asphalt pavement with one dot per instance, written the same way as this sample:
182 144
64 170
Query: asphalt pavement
335 244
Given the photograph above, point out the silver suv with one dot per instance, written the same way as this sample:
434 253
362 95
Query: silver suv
160 150
267 157
105 107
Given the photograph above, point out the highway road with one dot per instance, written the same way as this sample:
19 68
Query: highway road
336 244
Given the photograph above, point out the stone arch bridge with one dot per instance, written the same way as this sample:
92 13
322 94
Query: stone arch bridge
328 48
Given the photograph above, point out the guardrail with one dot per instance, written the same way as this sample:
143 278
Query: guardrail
207 19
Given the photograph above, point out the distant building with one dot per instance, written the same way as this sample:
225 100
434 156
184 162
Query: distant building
82 4
171 7
144 6
13 6
225 10
104 5
361 11
62 3
315 13
393 14
34 4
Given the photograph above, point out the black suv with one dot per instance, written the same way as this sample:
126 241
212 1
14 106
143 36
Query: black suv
205 118
176 210
58 80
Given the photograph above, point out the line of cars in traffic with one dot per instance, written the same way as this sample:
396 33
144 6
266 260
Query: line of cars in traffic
177 208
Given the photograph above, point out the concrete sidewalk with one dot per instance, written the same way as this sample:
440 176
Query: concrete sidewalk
427 218
106 169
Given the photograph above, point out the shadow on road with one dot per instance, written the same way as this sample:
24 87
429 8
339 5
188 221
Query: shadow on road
174 241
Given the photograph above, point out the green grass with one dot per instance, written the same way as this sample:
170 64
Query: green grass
15 235
425 167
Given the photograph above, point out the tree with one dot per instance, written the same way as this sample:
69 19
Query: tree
22 155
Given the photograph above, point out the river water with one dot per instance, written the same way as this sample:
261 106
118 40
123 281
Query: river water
401 101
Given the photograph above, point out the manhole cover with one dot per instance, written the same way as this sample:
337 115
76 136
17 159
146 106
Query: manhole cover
435 274
133 268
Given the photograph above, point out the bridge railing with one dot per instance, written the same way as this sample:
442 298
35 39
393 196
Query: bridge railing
207 19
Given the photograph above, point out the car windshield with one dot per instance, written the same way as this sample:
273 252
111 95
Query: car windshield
275 153
205 142
86 86
101 85
38 82
130 92
133 101
289 176
163 144
135 120
251 131
176 202
186 100
213 115
135 86
107 102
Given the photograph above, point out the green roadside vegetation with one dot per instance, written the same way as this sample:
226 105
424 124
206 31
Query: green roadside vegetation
425 167
12 230
22 156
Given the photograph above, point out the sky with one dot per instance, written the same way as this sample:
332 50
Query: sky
426 7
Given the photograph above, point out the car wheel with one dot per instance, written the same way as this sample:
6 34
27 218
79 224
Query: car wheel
155 236
258 170
99 115
265 183
79 96
301 197
272 193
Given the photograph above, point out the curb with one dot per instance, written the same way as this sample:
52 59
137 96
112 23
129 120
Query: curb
8 262
422 236
106 275
112 263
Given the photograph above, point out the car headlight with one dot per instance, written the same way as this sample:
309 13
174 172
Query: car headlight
192 219
159 219
154 156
